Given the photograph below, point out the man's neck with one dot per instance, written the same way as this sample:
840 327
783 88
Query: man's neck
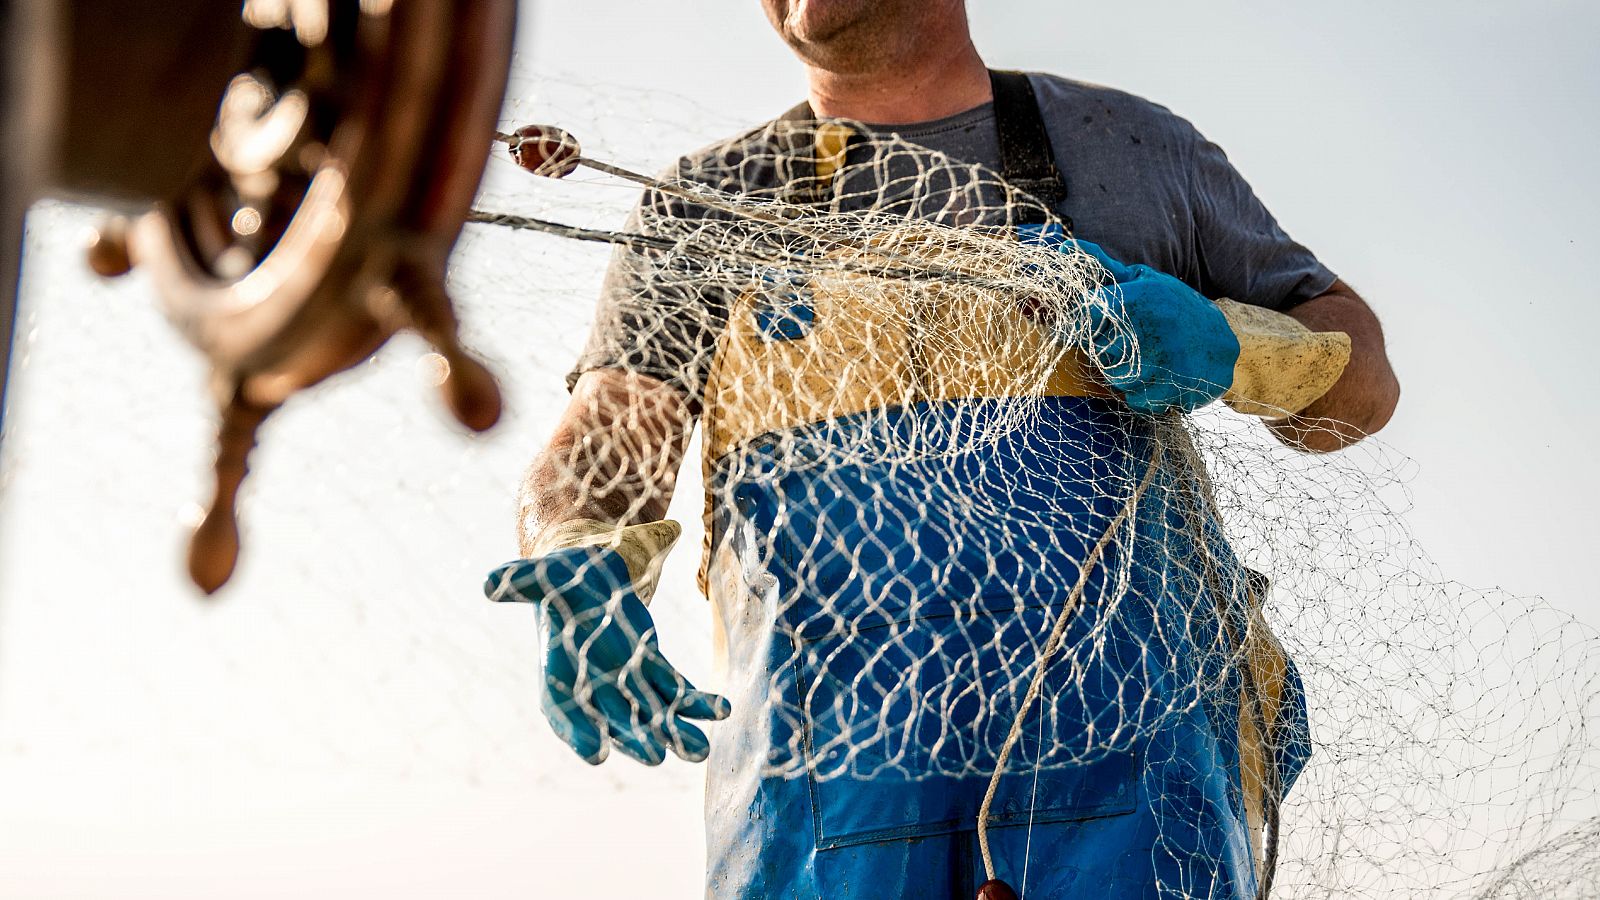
932 87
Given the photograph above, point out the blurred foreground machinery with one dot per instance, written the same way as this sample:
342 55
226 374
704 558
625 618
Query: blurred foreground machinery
291 174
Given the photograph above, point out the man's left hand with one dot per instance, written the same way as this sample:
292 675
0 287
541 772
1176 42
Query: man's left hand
1158 341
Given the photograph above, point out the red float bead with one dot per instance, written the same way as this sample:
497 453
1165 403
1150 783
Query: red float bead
995 889
545 150
108 249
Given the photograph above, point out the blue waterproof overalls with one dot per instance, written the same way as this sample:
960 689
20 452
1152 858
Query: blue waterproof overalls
881 620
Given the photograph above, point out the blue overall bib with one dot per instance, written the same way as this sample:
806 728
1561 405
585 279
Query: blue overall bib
1127 782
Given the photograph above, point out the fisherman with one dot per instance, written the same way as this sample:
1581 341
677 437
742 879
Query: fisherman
1173 802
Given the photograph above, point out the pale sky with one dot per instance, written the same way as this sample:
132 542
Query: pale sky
351 719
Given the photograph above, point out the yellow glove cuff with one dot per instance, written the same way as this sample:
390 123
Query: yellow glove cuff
642 547
1283 366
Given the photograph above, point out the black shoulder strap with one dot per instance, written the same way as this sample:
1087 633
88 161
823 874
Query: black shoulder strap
1027 161
1026 158
800 112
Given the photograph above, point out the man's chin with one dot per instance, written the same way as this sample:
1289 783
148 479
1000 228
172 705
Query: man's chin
816 23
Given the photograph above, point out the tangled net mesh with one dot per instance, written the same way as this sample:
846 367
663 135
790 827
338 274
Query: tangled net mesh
932 558
903 503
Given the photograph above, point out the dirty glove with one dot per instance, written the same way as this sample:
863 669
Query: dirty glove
606 680
1159 342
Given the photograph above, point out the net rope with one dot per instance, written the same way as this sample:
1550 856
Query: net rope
1052 644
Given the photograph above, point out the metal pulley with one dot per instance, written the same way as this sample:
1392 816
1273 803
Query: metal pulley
347 145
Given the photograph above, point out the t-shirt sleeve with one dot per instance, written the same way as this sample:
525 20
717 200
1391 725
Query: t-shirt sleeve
1241 251
656 314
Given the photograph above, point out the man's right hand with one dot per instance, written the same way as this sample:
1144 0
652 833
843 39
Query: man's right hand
606 680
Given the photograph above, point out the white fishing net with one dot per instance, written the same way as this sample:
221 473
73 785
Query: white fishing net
939 551
930 558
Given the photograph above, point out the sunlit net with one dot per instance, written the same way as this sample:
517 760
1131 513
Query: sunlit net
904 499
922 551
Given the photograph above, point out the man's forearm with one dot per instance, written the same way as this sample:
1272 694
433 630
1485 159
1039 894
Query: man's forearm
1364 398
614 456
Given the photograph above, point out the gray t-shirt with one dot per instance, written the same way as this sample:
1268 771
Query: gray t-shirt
1141 182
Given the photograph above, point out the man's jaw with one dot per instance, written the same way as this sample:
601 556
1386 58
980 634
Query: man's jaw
812 22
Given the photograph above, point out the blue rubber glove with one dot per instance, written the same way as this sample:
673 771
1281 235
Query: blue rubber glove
1158 341
605 678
